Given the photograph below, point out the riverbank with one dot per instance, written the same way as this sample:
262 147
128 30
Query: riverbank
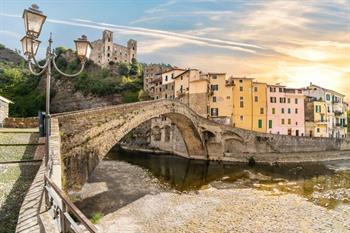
232 210
268 158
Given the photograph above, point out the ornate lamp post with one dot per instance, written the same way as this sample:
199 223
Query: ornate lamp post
33 22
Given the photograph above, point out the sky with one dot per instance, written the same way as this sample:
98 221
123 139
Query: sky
292 42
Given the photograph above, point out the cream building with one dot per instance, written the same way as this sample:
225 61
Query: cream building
315 118
336 109
220 98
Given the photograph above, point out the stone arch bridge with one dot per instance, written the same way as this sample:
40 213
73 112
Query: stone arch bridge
86 136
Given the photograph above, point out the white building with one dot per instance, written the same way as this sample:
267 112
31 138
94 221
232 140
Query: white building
336 109
4 109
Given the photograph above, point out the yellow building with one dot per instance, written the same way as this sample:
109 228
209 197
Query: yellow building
249 104
219 98
259 106
315 118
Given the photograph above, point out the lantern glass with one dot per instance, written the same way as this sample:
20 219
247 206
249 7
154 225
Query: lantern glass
29 46
83 47
33 21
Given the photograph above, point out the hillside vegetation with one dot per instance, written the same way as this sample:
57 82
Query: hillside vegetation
27 90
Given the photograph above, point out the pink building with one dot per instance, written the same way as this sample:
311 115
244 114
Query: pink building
285 110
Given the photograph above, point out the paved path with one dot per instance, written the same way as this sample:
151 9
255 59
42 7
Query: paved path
28 221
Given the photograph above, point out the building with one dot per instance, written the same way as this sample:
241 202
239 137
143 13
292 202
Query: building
336 109
249 105
150 73
285 110
4 109
191 88
105 52
220 98
168 82
315 117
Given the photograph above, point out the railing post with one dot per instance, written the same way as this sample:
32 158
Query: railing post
63 221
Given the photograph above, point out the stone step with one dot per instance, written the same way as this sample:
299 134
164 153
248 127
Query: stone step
18 138
17 153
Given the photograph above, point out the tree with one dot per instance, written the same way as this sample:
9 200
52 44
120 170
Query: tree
143 95
123 69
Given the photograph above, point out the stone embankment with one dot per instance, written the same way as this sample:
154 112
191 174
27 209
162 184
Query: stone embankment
232 210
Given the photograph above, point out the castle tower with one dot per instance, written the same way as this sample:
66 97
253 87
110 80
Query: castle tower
132 47
107 39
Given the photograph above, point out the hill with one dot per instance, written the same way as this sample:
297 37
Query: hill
95 86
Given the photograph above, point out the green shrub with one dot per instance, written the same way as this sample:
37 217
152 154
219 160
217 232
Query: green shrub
96 217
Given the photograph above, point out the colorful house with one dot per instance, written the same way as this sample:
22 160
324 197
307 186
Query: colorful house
315 117
285 110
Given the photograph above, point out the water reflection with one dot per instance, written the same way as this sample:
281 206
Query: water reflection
326 184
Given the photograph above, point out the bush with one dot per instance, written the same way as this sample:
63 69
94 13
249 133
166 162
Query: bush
2 46
96 217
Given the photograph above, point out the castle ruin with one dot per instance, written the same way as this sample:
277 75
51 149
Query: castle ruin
105 52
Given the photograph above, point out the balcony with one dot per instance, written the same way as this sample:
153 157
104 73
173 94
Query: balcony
180 93
338 113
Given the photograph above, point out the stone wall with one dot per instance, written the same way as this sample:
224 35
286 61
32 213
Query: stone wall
29 122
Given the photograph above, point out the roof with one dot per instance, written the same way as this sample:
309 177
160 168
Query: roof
5 100
241 78
216 73
181 73
329 90
171 69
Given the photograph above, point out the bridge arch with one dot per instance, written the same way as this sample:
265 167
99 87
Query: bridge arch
87 136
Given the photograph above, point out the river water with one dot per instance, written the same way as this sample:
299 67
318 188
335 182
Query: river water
124 177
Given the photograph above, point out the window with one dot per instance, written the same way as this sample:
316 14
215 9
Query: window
318 108
282 110
270 124
241 104
181 78
108 54
241 81
296 101
214 112
318 130
166 96
241 118
296 111
256 89
289 121
288 100
214 98
280 89
328 97
273 110
256 99
272 89
282 100
214 77
228 97
240 88
272 99
261 110
214 87
109 48
166 78
282 121
289 111
259 123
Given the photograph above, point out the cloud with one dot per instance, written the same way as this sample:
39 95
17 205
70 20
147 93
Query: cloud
11 34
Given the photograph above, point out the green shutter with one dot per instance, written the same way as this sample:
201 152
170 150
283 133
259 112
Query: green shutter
260 124
270 124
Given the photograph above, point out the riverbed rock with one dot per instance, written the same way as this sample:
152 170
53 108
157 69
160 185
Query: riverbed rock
232 210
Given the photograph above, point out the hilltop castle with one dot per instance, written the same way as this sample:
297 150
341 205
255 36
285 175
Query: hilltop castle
106 52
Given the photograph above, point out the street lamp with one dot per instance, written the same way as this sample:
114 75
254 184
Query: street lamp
33 22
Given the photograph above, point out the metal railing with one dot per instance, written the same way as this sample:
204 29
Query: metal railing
64 211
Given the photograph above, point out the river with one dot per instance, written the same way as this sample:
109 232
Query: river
125 177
